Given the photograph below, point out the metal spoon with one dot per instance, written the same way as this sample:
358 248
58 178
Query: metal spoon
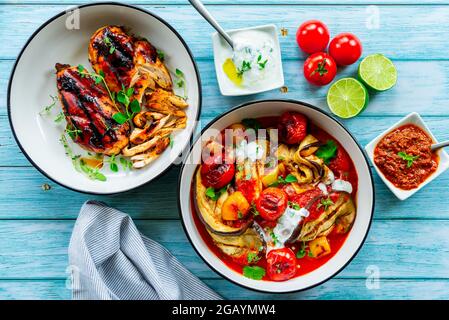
439 145
198 5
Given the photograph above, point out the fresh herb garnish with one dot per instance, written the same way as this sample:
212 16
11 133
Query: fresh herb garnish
301 252
261 63
294 205
327 151
215 194
180 81
160 54
59 117
48 108
108 42
251 123
254 272
126 164
239 214
79 164
288 179
252 257
248 176
92 173
73 132
408 157
325 203
112 163
254 210
131 107
246 66
172 141
274 238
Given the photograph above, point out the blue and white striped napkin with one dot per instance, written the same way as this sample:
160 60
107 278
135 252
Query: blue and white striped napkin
110 259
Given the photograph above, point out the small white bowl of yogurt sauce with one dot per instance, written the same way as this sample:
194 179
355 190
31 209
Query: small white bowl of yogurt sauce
255 64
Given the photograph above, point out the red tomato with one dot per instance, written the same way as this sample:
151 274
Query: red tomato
320 69
281 264
312 36
271 204
292 127
345 48
341 162
303 199
216 173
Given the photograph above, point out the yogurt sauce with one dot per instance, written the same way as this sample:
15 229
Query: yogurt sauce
253 61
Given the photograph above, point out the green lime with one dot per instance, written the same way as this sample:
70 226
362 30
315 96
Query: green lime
347 97
377 72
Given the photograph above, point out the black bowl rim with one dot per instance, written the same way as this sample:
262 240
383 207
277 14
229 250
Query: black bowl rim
108 3
279 101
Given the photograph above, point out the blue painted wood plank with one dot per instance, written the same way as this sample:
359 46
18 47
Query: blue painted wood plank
405 32
414 91
26 199
333 289
400 249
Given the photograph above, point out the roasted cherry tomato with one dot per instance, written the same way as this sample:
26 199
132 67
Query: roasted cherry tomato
304 199
341 162
292 127
320 69
345 48
272 203
216 173
312 36
281 264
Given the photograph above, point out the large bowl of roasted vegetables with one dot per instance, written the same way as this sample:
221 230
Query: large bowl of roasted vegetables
276 196
104 97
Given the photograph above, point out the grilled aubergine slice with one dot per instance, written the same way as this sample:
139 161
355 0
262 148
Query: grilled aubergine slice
209 211
88 110
127 61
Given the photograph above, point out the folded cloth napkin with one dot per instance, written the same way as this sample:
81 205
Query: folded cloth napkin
110 259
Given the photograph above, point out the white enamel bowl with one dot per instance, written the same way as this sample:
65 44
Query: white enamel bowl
365 195
62 40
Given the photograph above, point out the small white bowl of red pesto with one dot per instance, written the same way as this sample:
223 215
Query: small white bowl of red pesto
403 158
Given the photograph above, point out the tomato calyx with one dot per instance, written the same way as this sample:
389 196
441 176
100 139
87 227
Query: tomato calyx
321 68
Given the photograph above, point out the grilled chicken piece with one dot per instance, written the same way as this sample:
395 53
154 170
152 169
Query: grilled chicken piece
127 61
166 102
88 110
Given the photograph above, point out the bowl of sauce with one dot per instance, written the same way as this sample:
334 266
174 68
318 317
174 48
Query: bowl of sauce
403 158
254 64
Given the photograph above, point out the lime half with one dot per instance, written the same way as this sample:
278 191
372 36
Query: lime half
347 98
378 72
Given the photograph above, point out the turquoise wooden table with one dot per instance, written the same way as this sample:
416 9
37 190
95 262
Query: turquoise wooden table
408 244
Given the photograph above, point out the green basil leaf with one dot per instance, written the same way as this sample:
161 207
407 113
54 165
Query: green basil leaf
135 106
290 178
113 166
130 92
254 272
327 151
179 73
119 118
122 98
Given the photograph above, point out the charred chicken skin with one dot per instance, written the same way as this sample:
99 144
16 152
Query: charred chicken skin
127 61
88 110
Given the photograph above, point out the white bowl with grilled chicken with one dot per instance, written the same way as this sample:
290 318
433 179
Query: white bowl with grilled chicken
104 98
